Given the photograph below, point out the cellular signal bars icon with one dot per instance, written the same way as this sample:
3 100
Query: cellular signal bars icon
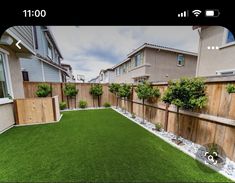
183 14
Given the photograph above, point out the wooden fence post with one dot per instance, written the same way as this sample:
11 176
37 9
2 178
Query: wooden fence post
166 117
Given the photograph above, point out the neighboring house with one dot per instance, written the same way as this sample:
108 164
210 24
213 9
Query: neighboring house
106 76
94 80
219 61
46 64
11 80
68 76
155 63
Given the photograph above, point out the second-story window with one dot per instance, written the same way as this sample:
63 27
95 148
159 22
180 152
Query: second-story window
138 59
49 51
180 60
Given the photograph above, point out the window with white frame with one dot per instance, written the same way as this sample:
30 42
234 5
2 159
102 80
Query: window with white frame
49 51
3 81
138 59
180 60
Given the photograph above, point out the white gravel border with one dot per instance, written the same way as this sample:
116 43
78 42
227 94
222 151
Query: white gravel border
189 148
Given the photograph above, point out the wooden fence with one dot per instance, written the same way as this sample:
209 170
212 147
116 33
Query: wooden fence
214 124
36 110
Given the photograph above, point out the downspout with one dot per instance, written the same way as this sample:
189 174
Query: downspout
199 52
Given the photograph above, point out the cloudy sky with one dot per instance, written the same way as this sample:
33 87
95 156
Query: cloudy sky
88 49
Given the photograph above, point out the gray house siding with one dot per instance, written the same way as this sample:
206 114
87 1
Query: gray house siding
51 74
34 69
38 70
23 33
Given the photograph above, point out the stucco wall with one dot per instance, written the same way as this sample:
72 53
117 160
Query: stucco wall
7 117
210 61
163 65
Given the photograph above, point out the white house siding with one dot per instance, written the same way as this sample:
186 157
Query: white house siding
7 116
34 69
51 74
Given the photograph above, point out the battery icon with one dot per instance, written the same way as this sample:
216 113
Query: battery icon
212 13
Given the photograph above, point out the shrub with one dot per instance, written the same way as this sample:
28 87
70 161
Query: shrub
230 88
70 90
43 90
96 90
82 104
146 91
106 104
158 126
62 105
212 150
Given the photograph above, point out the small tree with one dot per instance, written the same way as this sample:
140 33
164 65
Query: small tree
96 91
186 93
124 92
43 90
113 88
146 91
70 91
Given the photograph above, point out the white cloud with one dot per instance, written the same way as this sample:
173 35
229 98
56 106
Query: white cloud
88 49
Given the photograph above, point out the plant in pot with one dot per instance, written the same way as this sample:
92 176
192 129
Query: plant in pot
186 93
70 91
145 91
43 90
96 90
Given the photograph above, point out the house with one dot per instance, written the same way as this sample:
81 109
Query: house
11 80
94 80
106 76
68 77
221 59
155 63
46 63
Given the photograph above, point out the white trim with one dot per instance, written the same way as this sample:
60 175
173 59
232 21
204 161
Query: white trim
5 101
4 51
7 73
4 130
227 45
60 76
17 38
47 62
43 74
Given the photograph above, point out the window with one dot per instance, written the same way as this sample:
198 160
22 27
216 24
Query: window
230 37
3 84
49 51
180 60
25 75
138 59
118 71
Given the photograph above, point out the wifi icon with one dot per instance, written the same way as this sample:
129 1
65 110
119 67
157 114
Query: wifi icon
196 12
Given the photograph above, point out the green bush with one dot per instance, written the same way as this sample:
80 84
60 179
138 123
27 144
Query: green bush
82 104
62 105
158 126
70 90
43 90
96 90
230 88
106 104
133 115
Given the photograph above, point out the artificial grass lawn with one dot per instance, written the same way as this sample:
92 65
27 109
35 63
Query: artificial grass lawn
94 146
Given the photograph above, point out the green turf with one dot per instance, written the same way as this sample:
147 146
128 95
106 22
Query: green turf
94 146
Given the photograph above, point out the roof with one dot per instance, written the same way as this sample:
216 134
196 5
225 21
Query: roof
148 45
52 38
66 65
